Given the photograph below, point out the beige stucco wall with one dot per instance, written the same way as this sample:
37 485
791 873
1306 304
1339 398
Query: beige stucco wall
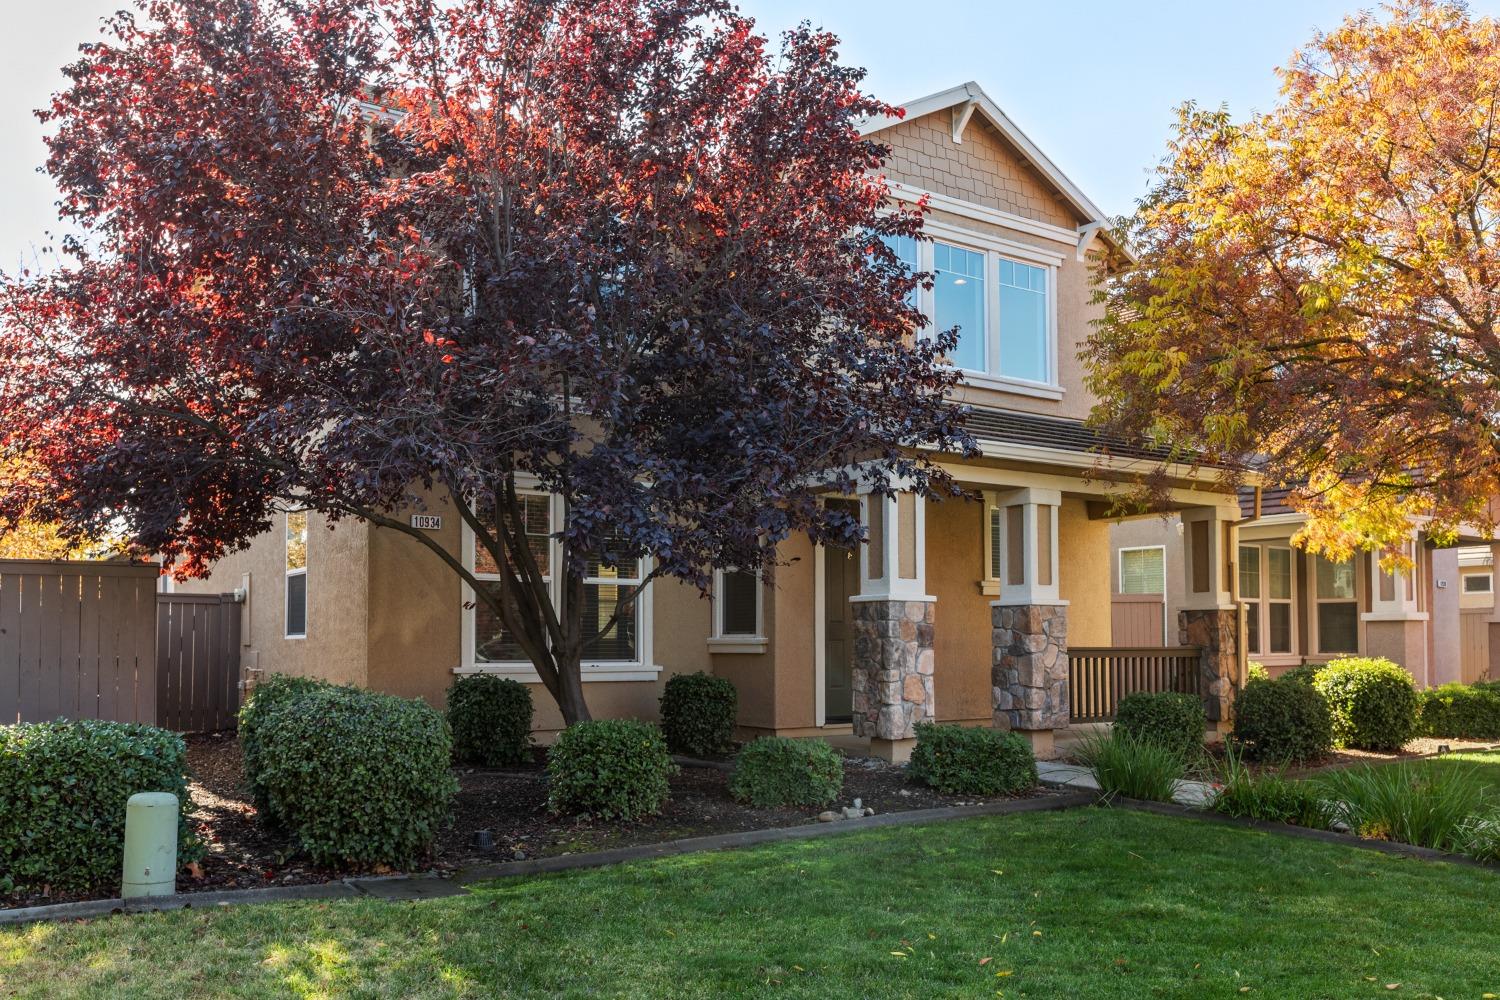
985 171
416 624
1083 573
336 601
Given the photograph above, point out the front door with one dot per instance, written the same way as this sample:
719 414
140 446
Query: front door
840 582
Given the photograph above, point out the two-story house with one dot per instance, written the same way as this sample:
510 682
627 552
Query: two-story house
994 610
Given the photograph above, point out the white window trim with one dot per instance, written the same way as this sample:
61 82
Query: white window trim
287 574
994 248
1120 566
721 643
1314 637
642 669
1489 583
1261 606
989 584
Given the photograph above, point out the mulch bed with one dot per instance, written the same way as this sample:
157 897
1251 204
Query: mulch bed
511 804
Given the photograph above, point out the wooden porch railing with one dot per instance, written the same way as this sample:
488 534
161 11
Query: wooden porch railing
1098 677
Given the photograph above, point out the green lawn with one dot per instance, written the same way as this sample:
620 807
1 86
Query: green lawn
1085 903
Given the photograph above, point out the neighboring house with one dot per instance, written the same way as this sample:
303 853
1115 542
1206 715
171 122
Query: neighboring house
1301 608
959 611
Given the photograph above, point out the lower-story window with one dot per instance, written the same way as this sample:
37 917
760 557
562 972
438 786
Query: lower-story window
1337 606
1266 584
607 594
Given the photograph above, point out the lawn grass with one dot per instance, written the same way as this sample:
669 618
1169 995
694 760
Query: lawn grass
1084 903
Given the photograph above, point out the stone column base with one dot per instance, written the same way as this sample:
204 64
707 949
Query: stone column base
1029 678
892 668
894 751
1215 631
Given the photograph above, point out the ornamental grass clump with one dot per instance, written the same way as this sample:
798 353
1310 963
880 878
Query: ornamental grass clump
1406 802
1271 797
1128 767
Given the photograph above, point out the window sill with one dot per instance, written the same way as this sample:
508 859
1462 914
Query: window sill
592 672
726 644
1019 387
1394 616
989 588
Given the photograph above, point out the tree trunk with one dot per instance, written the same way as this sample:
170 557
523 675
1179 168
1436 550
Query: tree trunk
570 688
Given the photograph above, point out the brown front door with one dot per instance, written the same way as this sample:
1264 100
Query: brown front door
840 582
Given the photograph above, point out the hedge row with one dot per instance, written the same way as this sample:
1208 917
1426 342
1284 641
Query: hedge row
63 789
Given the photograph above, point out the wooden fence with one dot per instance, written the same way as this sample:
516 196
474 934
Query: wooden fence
94 640
1474 643
1138 620
1099 677
197 662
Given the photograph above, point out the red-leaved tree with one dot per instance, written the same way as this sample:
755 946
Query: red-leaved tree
338 254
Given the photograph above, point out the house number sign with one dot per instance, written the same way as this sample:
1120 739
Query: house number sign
427 522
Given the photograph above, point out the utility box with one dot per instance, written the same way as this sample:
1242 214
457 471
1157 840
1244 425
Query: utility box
150 845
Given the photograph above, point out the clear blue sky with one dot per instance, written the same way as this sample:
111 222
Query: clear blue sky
1093 82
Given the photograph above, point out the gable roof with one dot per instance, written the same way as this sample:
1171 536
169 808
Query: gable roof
973 100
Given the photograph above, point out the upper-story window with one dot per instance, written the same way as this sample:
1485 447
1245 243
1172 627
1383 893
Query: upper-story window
296 575
1002 303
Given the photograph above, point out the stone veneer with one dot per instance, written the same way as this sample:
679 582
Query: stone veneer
1029 678
1216 632
891 679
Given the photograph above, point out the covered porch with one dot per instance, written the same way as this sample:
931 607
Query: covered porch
996 610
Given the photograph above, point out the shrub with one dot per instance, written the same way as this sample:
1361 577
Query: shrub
779 771
615 769
1372 701
63 788
1270 797
491 720
1168 719
1459 710
358 778
1407 803
1256 672
269 695
1129 767
697 714
1307 673
965 760
1284 719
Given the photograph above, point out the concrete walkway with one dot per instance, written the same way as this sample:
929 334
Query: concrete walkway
1056 774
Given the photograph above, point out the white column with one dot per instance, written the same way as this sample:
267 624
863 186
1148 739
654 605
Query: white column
1028 547
893 561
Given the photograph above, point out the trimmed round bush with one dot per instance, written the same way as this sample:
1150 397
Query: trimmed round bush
1282 720
611 768
780 771
697 714
63 789
970 760
358 778
1460 711
491 720
1304 674
1167 718
1372 701
275 691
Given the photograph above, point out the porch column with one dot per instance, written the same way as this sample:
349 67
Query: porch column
1395 625
1210 618
1029 672
892 623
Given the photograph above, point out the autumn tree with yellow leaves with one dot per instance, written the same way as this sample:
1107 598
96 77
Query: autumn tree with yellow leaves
1319 286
